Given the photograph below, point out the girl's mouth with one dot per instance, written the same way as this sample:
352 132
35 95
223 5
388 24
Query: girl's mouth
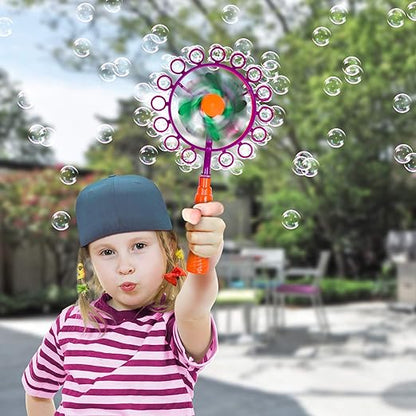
128 287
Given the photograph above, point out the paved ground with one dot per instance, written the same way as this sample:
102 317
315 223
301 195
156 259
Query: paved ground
365 366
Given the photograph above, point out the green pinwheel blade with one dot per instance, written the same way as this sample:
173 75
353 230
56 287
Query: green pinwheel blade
214 82
212 130
187 107
228 111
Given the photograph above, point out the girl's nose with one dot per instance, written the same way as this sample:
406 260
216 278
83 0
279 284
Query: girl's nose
125 267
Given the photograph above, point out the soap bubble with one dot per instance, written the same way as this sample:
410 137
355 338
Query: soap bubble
336 138
122 67
269 55
321 35
411 11
82 47
291 219
332 86
237 168
60 220
402 103
36 134
243 45
395 17
24 101
353 74
278 117
410 165
338 15
68 175
85 12
142 116
280 85
143 92
230 14
350 60
150 43
49 137
311 167
148 155
6 27
161 32
105 133
113 6
107 72
402 152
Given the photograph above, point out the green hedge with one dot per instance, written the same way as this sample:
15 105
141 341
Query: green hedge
335 290
54 299
50 299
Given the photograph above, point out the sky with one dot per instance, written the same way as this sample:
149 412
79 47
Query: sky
67 100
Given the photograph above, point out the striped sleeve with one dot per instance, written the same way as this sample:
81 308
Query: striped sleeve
45 372
179 350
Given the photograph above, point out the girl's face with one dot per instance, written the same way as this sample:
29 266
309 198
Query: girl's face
129 266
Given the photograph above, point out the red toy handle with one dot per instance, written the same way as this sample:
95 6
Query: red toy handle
196 264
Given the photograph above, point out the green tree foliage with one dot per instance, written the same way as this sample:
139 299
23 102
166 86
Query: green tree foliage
360 192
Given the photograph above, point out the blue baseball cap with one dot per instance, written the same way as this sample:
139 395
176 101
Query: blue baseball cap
120 204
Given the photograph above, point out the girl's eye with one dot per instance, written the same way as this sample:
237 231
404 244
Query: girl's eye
140 245
106 252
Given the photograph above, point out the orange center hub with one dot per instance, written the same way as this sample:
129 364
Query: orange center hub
212 105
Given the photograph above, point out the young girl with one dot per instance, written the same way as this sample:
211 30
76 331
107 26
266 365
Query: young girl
138 348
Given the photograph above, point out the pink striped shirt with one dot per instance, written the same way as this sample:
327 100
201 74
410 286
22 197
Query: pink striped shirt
138 367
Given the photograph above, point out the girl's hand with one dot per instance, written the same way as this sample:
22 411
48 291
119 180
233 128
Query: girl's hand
205 230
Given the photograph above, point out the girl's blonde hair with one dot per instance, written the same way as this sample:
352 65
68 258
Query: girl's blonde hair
164 299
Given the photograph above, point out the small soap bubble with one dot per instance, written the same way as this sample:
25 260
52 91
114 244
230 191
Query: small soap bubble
353 74
143 92
150 43
122 67
142 116
148 155
332 86
291 219
85 12
350 60
82 47
24 101
230 14
402 152
338 15
161 32
336 138
269 56
321 36
410 165
411 11
68 175
402 103
311 167
280 85
396 17
6 27
278 118
36 134
49 137
243 45
237 168
60 220
107 72
113 6
105 133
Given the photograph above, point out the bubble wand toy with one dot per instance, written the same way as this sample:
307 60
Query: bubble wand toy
215 108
